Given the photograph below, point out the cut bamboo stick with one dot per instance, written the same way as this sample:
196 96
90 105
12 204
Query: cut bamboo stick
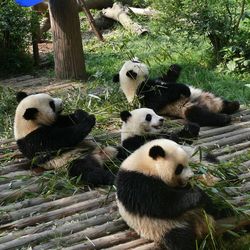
92 233
233 155
227 141
129 245
222 130
110 240
60 223
231 149
149 246
221 136
63 202
22 165
58 213
238 190
66 229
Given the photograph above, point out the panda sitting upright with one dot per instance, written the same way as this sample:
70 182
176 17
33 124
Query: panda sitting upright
167 97
143 125
155 199
52 140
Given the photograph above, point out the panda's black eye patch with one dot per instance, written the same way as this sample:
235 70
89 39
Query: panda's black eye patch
52 105
148 117
178 169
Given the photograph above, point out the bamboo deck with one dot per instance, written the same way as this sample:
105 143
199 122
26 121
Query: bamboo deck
89 219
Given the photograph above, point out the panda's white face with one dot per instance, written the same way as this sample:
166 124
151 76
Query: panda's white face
34 111
139 122
131 75
161 158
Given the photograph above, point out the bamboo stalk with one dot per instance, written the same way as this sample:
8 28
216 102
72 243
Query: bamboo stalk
66 229
24 164
63 202
240 200
58 213
218 131
93 233
33 188
59 224
221 136
233 155
129 245
144 12
227 141
149 246
107 241
231 149
10 186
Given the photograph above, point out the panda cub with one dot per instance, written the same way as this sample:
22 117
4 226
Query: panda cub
143 125
52 140
154 198
167 97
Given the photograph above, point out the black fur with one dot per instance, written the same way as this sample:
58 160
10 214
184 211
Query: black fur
20 96
172 74
91 172
230 107
205 117
156 151
149 196
155 94
131 74
125 115
180 238
30 114
58 136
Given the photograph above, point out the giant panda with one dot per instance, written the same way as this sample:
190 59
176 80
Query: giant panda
51 140
142 125
167 97
155 199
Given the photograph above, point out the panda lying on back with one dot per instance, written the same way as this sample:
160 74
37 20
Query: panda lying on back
143 125
154 197
165 96
51 140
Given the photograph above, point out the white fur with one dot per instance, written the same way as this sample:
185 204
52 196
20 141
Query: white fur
164 168
195 93
128 85
137 125
46 115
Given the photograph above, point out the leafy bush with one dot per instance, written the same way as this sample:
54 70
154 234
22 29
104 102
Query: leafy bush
224 23
15 33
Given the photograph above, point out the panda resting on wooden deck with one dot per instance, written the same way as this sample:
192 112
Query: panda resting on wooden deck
52 140
167 97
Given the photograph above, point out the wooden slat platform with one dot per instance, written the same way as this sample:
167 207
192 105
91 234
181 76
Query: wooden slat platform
88 219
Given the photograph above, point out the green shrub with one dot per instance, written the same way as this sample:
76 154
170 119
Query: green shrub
15 35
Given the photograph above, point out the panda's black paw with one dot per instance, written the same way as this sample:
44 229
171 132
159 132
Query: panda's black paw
191 130
185 90
223 119
90 121
80 115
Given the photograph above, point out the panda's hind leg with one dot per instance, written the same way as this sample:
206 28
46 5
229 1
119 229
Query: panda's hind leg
229 107
91 172
182 238
204 117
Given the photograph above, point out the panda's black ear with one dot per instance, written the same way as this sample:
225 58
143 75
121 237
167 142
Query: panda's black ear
125 115
156 151
30 113
20 96
116 78
131 74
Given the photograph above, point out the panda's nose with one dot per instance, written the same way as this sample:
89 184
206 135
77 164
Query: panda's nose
161 120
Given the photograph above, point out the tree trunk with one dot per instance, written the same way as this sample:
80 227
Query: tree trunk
67 41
